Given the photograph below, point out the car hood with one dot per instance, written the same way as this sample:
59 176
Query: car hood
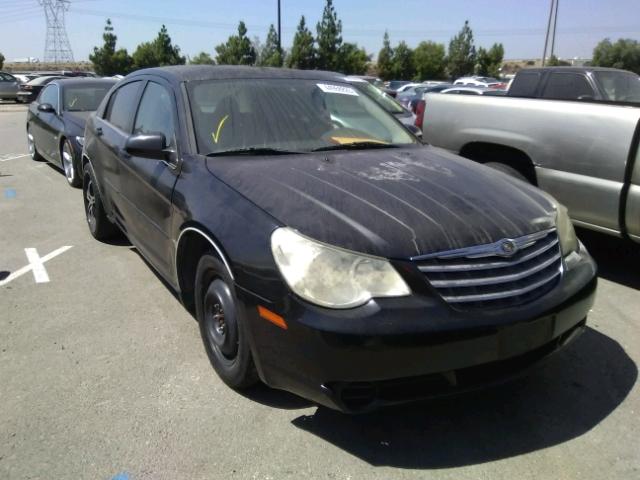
78 119
391 203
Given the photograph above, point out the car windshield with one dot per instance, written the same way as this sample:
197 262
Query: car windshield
389 104
287 115
83 98
620 86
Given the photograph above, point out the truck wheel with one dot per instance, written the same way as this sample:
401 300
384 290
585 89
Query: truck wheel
222 326
512 172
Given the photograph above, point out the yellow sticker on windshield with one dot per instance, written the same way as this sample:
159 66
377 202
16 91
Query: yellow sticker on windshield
216 135
343 140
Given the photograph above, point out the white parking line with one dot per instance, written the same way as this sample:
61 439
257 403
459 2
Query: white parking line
14 157
36 264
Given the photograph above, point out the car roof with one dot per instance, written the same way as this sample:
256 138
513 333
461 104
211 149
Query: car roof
84 81
573 69
189 73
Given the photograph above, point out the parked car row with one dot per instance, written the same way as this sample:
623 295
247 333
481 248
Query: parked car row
322 247
24 87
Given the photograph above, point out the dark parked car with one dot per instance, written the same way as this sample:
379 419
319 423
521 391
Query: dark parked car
349 264
56 121
29 91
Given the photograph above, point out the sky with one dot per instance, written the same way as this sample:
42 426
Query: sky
199 25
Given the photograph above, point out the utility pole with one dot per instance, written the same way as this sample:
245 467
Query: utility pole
57 48
279 30
546 38
555 23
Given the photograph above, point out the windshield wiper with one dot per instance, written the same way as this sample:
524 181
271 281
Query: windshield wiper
252 151
355 146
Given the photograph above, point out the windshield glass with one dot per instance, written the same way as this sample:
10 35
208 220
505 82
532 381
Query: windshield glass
287 115
389 104
83 98
620 86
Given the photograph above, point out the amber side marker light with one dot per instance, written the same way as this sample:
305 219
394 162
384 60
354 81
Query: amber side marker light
272 317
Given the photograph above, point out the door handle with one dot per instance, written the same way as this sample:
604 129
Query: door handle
98 131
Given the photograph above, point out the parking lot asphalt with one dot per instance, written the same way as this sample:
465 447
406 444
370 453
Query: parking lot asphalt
103 375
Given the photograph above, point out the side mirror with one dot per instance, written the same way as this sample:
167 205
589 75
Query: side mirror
46 107
147 145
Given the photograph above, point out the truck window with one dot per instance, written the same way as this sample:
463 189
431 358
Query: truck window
568 86
524 85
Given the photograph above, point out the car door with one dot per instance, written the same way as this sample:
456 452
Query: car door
8 86
52 125
147 184
42 122
112 129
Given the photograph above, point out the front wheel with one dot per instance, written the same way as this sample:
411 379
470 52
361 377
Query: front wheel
70 164
99 224
222 326
31 143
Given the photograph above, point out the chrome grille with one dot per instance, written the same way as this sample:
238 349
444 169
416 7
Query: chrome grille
506 273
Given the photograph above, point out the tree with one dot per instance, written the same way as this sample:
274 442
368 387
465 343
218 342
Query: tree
270 54
329 38
624 54
107 61
462 53
556 62
385 59
203 58
1 60
238 50
490 61
352 60
158 53
303 52
403 67
430 61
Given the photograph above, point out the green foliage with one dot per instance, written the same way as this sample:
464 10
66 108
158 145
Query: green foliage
624 54
462 53
352 60
303 52
158 53
1 60
490 61
403 67
329 38
430 61
203 58
238 50
385 59
270 56
108 61
556 62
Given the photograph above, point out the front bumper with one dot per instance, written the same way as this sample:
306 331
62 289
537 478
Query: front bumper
396 350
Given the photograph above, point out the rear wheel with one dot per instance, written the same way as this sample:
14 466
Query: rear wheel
222 326
31 144
69 163
99 225
512 172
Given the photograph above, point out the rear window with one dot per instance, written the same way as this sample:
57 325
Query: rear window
619 86
568 86
122 106
525 84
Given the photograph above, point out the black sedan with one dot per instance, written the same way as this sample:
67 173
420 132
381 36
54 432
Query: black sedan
323 249
30 90
56 120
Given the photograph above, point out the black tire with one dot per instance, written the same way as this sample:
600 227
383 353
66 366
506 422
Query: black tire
33 151
99 224
512 172
222 326
70 164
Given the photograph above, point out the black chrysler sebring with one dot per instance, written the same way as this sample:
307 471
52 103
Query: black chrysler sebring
56 121
322 248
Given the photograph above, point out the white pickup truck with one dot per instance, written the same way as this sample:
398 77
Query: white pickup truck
583 153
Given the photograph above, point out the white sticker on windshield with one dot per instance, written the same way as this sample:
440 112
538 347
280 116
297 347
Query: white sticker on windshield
337 89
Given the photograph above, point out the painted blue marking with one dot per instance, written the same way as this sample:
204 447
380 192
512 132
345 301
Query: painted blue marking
121 476
9 193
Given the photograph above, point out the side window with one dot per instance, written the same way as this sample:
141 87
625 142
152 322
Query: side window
524 85
5 77
567 86
49 95
122 106
155 114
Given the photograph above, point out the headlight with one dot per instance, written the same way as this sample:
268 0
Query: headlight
80 141
566 233
332 277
